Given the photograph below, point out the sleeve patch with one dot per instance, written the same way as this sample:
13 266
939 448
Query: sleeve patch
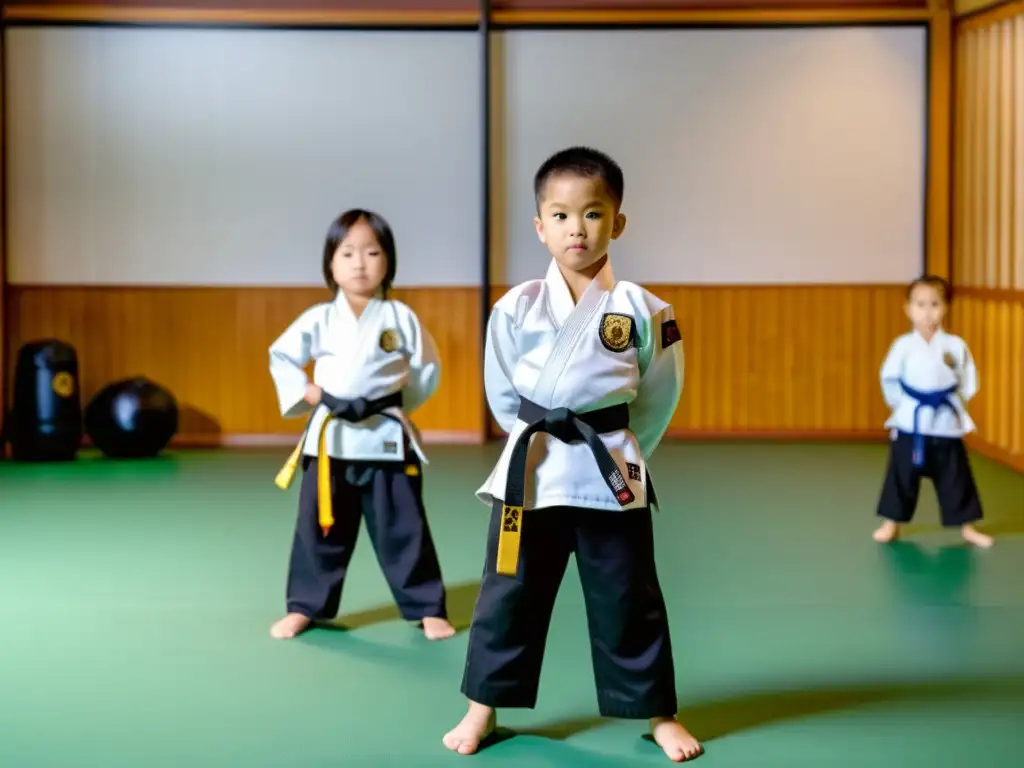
669 334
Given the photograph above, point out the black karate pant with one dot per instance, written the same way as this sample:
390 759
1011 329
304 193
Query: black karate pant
392 503
946 464
629 635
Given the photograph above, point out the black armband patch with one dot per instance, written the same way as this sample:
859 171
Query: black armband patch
669 334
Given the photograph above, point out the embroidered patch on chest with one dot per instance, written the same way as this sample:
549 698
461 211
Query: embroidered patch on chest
390 447
949 360
389 340
669 334
616 332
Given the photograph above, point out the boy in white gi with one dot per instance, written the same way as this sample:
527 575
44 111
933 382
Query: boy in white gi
360 454
927 377
593 367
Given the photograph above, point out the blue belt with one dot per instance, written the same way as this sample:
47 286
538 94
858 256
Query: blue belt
936 400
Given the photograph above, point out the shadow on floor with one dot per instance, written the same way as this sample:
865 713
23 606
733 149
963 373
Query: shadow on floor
717 719
461 600
941 576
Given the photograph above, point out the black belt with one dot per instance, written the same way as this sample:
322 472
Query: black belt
353 411
360 408
568 427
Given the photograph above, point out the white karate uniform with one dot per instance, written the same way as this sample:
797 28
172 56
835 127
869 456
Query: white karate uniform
541 346
921 365
382 351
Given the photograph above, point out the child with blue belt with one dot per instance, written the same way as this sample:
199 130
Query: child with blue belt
927 377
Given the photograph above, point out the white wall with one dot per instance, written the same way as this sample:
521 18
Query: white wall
182 156
751 156
219 157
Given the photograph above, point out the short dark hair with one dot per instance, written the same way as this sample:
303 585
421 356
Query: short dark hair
585 162
940 284
339 229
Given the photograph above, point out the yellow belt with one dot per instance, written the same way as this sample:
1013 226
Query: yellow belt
323 478
508 540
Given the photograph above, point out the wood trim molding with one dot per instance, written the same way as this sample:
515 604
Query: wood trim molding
709 16
241 442
456 437
996 454
285 441
787 435
938 258
108 14
989 15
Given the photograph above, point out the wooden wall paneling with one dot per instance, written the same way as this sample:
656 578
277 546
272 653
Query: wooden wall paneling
988 308
964 198
993 326
784 361
959 176
1006 113
987 213
208 346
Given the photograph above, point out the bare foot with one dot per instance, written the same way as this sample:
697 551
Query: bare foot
289 626
477 725
886 532
437 629
677 742
973 536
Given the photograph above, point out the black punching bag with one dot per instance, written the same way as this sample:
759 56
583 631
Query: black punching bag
46 421
132 419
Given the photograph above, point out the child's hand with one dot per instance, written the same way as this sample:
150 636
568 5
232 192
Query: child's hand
313 394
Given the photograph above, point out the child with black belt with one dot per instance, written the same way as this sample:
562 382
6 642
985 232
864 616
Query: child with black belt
360 454
591 369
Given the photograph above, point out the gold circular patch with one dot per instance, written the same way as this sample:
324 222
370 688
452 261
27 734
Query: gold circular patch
63 384
389 341
616 332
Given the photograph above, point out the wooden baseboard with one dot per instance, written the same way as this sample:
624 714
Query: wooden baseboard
788 435
457 437
997 454
214 440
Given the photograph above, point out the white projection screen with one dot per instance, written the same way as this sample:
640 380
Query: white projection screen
751 155
219 157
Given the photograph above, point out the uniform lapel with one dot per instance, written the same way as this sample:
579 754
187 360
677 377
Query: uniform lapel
359 331
570 322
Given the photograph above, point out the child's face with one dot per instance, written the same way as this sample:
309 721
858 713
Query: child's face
576 221
926 308
359 265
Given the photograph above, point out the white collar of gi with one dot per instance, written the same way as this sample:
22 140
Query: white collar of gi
346 309
559 297
937 337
